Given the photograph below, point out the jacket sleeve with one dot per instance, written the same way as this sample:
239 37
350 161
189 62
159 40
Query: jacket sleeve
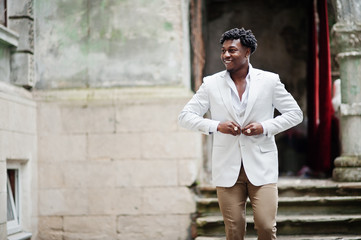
192 115
291 114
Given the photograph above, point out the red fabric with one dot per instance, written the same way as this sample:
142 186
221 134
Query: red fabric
320 109
312 89
325 86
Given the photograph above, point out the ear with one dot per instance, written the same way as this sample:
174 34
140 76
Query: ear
248 52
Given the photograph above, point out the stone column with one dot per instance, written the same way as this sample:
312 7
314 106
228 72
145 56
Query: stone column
21 20
347 34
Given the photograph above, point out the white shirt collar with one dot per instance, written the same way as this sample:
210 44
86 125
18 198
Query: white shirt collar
232 85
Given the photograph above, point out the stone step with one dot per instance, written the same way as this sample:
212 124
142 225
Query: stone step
292 205
294 187
292 237
290 225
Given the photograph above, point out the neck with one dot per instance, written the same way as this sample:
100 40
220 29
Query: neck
240 75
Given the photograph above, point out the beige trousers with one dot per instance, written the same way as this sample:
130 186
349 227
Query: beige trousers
264 200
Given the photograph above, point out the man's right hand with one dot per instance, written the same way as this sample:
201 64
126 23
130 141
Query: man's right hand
229 127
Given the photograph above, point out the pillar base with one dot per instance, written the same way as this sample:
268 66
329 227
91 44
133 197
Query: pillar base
347 169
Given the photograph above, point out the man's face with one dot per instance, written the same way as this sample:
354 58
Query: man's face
233 55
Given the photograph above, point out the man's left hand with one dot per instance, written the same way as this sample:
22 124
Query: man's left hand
252 129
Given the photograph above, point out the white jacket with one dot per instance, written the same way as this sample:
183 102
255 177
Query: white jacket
257 153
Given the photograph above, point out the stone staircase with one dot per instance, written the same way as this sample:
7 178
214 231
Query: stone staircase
308 209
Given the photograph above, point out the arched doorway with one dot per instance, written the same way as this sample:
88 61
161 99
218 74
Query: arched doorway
282 29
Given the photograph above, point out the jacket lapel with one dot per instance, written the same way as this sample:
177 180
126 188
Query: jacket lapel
253 92
225 92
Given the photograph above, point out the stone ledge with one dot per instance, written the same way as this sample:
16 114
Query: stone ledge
347 174
348 161
16 94
8 37
20 236
218 219
345 27
348 54
131 94
353 109
293 237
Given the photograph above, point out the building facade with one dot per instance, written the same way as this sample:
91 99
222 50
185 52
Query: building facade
90 92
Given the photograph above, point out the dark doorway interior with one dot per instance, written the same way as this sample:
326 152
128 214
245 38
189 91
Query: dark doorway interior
282 30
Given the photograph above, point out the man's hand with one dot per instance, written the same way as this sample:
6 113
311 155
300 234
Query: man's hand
229 127
252 129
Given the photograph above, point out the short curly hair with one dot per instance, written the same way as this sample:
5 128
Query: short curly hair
245 36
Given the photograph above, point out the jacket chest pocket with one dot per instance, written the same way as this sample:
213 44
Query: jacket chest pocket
268 147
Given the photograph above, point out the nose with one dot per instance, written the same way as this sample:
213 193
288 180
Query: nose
226 54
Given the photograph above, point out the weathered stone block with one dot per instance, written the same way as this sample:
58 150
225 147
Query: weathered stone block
187 172
4 64
349 73
11 142
91 224
51 175
171 145
351 141
347 36
137 173
114 146
55 202
5 145
4 117
21 8
3 175
89 118
25 28
115 201
51 223
99 49
76 175
62 148
168 200
3 231
22 117
151 116
51 202
88 236
49 118
162 227
3 207
347 169
97 174
22 69
348 161
51 235
347 174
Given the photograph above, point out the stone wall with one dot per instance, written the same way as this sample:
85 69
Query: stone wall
18 138
112 77
113 164
18 144
96 43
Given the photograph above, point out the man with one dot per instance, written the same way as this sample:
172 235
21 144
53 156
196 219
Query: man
241 101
